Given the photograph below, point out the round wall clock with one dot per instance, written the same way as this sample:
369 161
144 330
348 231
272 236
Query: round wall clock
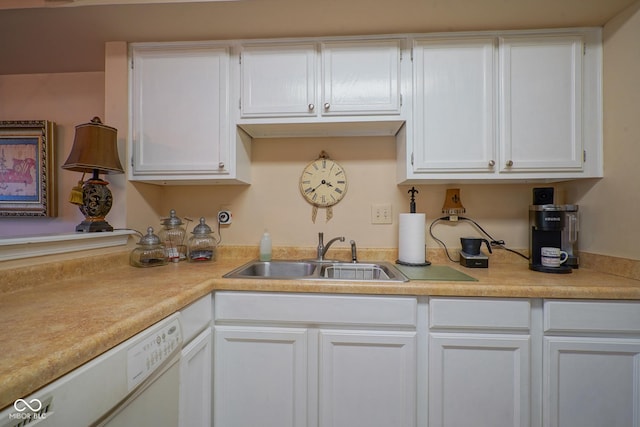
323 183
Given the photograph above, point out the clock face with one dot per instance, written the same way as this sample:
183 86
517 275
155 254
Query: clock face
323 183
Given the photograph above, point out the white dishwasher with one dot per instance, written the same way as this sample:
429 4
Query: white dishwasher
134 384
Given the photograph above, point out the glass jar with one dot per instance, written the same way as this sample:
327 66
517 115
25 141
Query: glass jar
150 251
173 236
202 244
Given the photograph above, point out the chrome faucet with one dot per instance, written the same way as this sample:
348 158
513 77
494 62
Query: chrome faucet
322 248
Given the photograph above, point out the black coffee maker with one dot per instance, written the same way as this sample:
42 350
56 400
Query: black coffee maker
546 225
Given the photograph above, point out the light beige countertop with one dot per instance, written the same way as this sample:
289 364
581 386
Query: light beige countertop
57 316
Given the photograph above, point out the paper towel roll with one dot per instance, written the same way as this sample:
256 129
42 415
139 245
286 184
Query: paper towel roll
411 247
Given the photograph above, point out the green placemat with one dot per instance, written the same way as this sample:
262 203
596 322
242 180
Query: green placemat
435 273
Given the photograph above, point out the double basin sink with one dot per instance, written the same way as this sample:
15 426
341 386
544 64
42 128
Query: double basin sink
318 270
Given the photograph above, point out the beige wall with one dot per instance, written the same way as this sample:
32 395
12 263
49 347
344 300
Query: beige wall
67 99
610 220
273 200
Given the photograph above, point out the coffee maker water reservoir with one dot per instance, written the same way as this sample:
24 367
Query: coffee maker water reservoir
570 235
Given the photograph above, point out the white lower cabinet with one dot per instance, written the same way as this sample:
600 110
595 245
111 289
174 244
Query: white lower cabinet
367 378
195 382
305 360
326 361
591 364
195 365
592 382
260 376
479 380
479 363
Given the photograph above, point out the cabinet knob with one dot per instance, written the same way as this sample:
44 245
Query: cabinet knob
509 163
326 105
221 165
311 107
492 163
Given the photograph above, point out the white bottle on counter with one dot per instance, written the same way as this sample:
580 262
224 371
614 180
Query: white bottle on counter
265 247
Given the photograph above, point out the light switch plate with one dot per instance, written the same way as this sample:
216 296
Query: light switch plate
381 214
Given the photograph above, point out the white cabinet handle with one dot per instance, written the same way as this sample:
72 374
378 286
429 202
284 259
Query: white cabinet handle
326 105
509 163
311 107
492 163
221 165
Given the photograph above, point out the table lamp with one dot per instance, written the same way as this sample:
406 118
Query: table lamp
95 151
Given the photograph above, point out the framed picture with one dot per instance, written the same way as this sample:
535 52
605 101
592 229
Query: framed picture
27 176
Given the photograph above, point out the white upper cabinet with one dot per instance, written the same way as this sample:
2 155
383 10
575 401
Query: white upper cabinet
454 99
505 106
180 113
541 103
361 77
463 107
278 80
320 79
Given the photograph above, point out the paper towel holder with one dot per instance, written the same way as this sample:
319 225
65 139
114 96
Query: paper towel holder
412 210
413 264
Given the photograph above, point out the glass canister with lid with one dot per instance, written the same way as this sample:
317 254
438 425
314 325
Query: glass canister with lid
150 251
202 244
173 236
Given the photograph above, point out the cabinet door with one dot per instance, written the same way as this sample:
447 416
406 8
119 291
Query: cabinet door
180 109
541 103
195 382
260 377
591 382
361 77
367 378
454 104
278 80
479 380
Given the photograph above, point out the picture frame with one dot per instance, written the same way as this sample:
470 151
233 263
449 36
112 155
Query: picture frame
27 169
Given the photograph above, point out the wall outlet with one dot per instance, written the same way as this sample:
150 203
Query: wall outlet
224 217
381 214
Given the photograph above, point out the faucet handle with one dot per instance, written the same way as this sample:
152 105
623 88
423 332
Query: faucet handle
354 255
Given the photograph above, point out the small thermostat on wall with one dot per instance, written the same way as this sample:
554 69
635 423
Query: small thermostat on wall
224 217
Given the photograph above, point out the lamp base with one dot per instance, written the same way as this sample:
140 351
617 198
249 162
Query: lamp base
93 226
96 204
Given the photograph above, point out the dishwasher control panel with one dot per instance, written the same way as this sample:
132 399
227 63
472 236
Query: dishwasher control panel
155 348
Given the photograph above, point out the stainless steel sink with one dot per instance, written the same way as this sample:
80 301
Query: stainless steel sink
275 270
316 270
363 271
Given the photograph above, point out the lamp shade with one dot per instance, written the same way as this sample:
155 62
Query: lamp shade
95 148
